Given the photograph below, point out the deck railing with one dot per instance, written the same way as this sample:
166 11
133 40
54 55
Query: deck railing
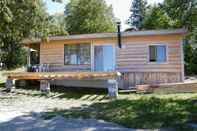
39 68
57 68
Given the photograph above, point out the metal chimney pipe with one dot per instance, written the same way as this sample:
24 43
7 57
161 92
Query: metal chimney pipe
119 34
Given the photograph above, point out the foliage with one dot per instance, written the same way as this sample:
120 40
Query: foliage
156 18
19 20
172 14
138 11
182 11
190 59
13 55
57 26
89 16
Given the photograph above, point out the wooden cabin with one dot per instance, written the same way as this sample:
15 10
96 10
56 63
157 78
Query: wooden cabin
146 57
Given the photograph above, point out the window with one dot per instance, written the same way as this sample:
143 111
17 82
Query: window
104 58
77 54
157 53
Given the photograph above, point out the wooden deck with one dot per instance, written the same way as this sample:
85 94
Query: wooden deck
62 75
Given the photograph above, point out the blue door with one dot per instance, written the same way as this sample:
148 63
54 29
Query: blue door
104 58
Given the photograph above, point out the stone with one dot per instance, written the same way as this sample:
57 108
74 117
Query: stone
10 85
113 88
45 86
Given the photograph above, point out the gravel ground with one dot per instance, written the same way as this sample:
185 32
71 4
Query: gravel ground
20 112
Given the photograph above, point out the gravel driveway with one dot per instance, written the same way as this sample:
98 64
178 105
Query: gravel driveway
21 112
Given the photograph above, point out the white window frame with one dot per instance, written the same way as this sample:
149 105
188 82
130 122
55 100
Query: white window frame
92 53
148 55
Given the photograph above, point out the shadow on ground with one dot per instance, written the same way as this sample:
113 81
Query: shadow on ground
148 113
32 89
2 84
33 122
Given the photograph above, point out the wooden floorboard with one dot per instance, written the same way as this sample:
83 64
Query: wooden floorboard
62 75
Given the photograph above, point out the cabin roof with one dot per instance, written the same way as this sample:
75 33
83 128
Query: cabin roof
109 35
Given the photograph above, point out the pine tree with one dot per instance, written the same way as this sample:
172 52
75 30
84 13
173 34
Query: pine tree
138 9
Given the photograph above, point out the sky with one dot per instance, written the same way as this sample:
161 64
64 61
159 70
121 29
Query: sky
120 8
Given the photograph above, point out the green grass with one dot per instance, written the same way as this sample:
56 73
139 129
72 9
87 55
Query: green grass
132 110
141 111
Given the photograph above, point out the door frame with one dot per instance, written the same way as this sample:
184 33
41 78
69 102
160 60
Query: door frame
92 54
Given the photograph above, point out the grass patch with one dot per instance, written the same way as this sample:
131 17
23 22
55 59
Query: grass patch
146 112
2 84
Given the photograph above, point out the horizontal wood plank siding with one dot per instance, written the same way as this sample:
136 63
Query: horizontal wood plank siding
53 54
133 57
131 60
132 79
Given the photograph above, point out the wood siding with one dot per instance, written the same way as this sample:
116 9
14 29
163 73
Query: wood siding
132 79
53 54
132 59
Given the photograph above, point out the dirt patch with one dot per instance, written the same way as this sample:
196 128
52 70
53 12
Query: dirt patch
24 110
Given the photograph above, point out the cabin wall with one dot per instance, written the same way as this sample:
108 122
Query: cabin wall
53 54
132 60
134 57
131 79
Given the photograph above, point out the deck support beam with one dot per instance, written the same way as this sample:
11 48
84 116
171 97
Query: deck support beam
10 85
45 86
29 57
112 88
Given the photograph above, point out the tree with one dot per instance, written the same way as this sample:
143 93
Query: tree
22 19
184 14
156 18
18 20
89 16
138 10
57 25
13 55
190 59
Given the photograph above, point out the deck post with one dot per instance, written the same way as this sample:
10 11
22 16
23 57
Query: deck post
44 86
29 57
112 88
10 85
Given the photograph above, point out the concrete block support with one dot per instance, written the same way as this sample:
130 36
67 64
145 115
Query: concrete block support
10 85
45 86
112 88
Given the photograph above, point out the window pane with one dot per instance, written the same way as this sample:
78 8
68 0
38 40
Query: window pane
84 55
161 53
152 51
98 58
157 53
77 54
